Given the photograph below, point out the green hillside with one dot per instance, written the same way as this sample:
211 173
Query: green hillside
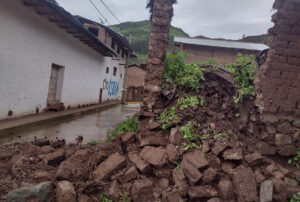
264 38
140 33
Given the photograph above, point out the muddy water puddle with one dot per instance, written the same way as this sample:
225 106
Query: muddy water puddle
93 126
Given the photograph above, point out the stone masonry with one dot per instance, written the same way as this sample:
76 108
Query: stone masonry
152 103
278 81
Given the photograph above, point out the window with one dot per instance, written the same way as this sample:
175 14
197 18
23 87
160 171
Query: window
107 70
94 31
115 71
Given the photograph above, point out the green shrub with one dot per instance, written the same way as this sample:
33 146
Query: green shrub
182 74
93 143
211 61
189 101
105 198
219 135
202 101
124 198
244 72
188 131
296 160
130 125
168 117
187 146
296 198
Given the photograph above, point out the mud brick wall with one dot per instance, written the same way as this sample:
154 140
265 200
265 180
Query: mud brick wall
152 102
203 53
278 81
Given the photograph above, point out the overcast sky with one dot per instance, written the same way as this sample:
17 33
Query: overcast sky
229 19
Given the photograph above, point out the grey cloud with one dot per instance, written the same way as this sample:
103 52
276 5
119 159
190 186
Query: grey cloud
214 18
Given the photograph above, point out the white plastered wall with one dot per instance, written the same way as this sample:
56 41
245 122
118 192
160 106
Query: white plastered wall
29 44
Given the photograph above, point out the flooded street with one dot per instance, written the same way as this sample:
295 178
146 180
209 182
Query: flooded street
93 126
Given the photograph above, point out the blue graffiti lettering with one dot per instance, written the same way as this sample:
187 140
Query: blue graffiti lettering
113 88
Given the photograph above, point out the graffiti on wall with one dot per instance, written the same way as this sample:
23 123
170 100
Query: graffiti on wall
111 86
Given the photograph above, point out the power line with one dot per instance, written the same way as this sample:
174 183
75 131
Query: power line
102 21
111 11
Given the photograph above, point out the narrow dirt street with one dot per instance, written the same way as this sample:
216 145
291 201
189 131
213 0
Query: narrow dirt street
93 126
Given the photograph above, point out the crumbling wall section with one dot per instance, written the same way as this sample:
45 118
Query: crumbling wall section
152 102
278 81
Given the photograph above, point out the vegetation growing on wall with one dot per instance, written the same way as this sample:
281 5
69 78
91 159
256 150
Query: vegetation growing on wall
244 71
181 74
296 160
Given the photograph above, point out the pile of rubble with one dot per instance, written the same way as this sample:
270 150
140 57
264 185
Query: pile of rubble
242 165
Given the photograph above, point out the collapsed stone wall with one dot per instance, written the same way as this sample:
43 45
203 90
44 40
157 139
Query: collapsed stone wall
278 81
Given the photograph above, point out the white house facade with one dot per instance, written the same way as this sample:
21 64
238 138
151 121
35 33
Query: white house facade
44 63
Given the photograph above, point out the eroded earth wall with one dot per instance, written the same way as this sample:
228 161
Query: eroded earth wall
279 78
161 19
278 81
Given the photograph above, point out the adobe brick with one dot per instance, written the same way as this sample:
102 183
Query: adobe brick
289 75
275 74
292 52
294 60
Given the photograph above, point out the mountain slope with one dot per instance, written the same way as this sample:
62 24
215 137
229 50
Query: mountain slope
264 38
139 32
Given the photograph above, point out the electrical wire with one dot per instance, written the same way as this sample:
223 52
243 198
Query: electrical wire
110 11
105 19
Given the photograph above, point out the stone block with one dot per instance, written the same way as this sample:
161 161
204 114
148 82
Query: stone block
108 167
266 191
65 192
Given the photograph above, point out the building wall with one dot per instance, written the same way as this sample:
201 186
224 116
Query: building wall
203 53
278 83
29 44
135 76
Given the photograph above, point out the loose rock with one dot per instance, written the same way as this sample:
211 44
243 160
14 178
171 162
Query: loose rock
142 190
266 191
54 158
38 192
65 192
225 189
107 168
219 147
198 192
233 154
281 139
155 156
209 175
196 158
139 163
172 153
190 171
175 136
129 174
244 184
